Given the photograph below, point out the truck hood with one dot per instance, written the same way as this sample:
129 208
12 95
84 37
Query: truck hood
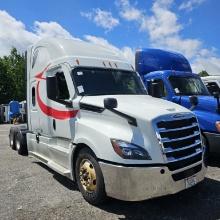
138 106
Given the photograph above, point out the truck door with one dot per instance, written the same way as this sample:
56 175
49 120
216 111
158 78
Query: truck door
62 118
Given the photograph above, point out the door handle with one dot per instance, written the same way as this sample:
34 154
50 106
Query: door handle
54 124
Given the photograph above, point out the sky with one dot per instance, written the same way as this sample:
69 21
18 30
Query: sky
190 27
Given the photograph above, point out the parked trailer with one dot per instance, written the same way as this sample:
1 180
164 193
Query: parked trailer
91 120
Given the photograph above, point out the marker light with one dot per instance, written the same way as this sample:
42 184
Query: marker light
129 151
217 124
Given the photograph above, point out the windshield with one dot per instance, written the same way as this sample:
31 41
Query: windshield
188 86
91 82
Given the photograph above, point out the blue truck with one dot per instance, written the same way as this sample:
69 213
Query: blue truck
168 75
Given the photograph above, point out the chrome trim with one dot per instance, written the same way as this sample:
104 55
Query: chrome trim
141 183
180 139
166 150
188 167
170 118
184 158
178 129
170 150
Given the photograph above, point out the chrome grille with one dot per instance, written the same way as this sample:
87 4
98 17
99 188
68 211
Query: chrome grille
180 140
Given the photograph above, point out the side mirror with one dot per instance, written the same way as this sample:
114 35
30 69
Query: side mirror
156 89
51 87
194 101
110 103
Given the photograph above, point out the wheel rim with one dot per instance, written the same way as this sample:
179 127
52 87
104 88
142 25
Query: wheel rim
87 175
18 145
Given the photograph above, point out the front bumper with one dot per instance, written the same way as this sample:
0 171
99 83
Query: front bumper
140 183
214 142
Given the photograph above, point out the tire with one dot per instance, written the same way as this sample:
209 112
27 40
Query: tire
94 193
12 135
21 143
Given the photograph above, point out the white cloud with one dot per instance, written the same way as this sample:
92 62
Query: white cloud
102 18
127 11
162 23
164 32
190 4
126 52
13 33
50 29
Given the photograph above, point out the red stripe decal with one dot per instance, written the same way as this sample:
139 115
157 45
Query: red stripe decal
57 114
47 110
40 74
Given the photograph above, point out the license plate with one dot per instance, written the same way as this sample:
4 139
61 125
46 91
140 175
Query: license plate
190 181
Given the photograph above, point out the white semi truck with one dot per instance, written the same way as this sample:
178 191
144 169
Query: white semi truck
91 120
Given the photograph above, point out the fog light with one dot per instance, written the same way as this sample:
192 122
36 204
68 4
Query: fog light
217 124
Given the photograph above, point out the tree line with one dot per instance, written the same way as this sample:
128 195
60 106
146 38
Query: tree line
12 77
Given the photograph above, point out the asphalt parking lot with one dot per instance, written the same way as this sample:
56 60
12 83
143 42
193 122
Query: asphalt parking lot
30 190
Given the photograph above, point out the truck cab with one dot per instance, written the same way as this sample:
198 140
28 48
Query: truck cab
90 119
168 75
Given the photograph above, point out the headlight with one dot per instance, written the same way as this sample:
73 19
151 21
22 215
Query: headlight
217 124
129 151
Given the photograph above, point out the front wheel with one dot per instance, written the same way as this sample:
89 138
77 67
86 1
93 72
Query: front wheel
89 177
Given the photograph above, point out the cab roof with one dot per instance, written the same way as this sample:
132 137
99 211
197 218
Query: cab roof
58 48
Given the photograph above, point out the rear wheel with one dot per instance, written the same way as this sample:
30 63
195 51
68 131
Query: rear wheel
12 135
89 177
21 143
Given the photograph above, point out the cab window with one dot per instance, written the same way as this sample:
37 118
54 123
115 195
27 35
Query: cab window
62 89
